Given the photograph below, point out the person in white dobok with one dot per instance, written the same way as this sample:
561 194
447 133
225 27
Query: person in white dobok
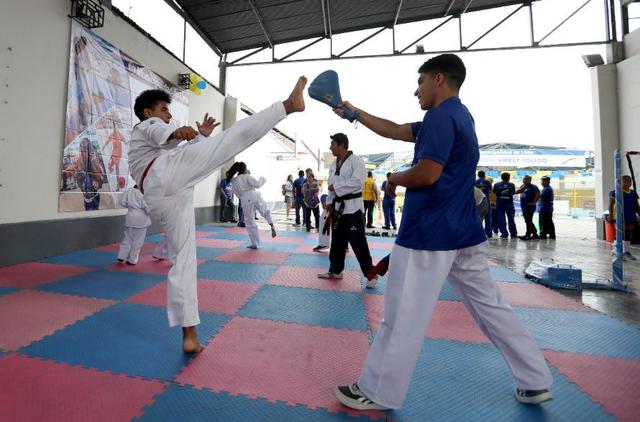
167 169
244 187
162 250
135 223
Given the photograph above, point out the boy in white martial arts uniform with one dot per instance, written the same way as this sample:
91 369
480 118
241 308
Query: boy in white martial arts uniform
324 236
441 237
244 187
167 174
136 223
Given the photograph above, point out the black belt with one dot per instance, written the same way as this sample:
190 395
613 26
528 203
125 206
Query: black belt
337 213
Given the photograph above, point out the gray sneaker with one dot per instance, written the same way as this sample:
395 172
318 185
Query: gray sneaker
331 276
371 284
533 396
351 396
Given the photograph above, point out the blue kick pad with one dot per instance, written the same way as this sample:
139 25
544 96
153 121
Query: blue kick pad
104 284
590 333
125 338
87 258
456 381
326 89
188 404
236 271
319 261
209 253
6 290
307 306
504 274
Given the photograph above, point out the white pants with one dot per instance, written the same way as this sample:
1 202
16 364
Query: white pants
252 202
323 239
415 281
131 244
168 190
162 250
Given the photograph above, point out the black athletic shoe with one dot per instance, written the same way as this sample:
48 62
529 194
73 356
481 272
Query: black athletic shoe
533 396
351 396
524 237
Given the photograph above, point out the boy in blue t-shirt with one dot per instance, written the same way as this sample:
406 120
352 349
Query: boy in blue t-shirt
441 237
298 196
630 209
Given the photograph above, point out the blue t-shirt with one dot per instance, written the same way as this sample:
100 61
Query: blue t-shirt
527 196
545 204
484 185
387 197
630 200
443 216
297 185
504 194
227 187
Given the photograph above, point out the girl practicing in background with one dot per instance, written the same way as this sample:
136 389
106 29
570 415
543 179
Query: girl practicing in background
244 187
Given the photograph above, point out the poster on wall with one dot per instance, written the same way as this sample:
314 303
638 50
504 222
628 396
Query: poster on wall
103 85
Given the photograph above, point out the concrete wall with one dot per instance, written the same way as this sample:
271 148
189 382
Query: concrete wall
606 130
628 79
34 56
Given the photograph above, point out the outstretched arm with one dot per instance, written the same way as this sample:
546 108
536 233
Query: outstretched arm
425 173
383 127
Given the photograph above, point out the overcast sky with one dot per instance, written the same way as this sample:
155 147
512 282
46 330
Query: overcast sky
535 97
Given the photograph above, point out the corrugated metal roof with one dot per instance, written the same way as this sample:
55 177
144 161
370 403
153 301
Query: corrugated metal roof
236 25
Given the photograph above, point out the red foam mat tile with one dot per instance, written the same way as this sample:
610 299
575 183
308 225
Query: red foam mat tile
254 256
147 248
36 390
29 315
537 296
294 363
612 382
219 243
34 274
451 320
223 297
308 278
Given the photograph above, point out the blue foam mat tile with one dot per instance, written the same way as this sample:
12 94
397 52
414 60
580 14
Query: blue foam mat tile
189 404
500 273
303 234
236 271
212 229
104 284
590 333
378 254
456 381
448 292
86 258
307 306
125 338
319 261
382 239
6 290
209 253
228 236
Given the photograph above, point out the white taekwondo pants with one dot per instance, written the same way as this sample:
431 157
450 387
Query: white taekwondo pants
323 239
414 283
252 202
131 244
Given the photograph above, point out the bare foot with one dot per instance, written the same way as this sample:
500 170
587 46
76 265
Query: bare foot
273 231
295 102
190 343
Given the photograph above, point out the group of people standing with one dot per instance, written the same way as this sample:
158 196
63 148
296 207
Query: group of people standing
501 219
303 194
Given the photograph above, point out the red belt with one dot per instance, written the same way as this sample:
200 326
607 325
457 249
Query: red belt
144 174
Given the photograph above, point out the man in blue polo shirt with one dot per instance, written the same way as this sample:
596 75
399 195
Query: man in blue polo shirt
441 237
485 186
545 210
529 196
630 209
298 196
504 191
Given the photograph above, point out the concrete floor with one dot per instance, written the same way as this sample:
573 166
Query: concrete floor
576 245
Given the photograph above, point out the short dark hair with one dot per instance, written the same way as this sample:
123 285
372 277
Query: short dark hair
481 173
340 139
388 174
301 173
505 176
545 178
369 174
450 65
148 99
